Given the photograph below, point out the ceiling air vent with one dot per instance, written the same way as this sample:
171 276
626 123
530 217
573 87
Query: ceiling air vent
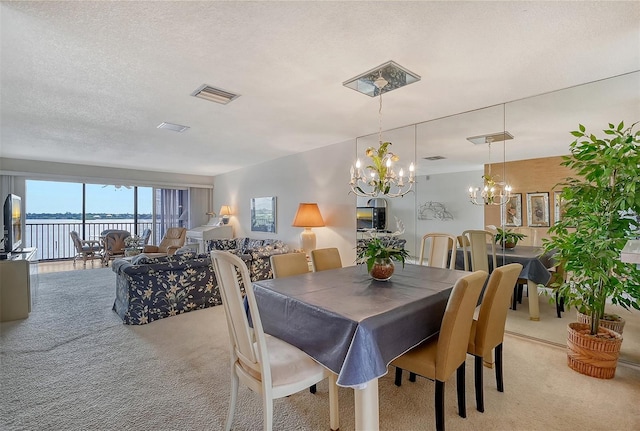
174 127
434 158
493 137
213 94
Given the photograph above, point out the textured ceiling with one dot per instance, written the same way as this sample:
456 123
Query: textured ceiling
88 82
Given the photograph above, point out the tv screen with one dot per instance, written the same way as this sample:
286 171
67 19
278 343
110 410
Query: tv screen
12 223
364 218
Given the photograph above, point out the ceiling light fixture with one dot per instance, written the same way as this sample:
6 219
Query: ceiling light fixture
171 126
381 179
213 94
395 75
492 192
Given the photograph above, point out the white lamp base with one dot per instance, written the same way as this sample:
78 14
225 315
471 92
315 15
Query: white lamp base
308 240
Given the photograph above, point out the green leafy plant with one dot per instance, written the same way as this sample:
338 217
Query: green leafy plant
508 238
596 225
378 164
376 249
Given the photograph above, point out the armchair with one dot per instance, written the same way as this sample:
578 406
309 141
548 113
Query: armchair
173 239
113 243
89 249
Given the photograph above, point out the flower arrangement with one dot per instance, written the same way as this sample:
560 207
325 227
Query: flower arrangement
376 249
132 241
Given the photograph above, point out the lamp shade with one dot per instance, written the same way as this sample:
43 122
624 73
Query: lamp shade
308 215
225 210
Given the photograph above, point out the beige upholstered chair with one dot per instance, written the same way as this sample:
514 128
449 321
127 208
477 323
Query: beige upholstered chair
325 258
439 356
265 364
113 243
442 250
173 239
89 249
475 241
285 265
487 332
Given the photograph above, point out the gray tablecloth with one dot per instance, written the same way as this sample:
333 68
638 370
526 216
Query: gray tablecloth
533 259
353 325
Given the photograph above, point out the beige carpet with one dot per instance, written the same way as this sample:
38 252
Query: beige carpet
72 365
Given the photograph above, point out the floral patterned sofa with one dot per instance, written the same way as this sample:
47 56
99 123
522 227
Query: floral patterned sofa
255 253
151 288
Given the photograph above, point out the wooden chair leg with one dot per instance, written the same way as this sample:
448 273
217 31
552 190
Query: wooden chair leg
412 377
460 383
514 301
439 405
479 384
312 389
498 358
398 380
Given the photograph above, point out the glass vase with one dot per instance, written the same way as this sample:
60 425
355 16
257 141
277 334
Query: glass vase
382 269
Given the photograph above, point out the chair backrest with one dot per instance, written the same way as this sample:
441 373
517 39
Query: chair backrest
248 344
441 250
285 265
477 246
145 236
326 258
456 324
76 241
493 310
173 237
114 241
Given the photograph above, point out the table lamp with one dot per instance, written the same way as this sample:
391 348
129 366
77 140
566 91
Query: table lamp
308 216
225 212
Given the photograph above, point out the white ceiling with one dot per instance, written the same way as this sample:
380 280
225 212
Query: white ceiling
88 82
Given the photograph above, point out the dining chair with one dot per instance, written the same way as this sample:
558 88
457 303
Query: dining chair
265 364
325 258
442 250
476 242
487 331
441 355
285 265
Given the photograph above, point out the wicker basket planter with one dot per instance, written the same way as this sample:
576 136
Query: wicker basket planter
614 325
595 357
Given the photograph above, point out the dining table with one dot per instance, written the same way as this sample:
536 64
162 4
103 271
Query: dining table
354 325
536 266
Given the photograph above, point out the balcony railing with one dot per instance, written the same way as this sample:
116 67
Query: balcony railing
54 242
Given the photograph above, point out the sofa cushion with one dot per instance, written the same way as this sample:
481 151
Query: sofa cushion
223 244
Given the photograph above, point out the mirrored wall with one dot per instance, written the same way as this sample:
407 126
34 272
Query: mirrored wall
447 164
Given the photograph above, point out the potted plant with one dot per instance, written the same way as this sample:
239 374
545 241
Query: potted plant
589 238
507 238
379 256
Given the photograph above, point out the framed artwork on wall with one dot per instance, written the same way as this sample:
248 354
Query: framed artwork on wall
538 209
558 205
263 214
512 211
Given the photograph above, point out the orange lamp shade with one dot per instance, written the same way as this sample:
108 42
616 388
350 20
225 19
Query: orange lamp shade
308 215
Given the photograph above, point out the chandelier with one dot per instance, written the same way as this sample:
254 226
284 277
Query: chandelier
492 192
379 178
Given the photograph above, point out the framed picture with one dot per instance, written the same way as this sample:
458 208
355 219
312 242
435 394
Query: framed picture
512 211
263 214
538 209
558 206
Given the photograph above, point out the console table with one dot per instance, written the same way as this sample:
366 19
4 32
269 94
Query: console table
18 278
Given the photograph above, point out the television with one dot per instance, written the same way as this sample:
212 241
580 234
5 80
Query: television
12 223
370 218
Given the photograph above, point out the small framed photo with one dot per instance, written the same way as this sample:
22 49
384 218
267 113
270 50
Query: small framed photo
263 214
538 209
558 206
512 211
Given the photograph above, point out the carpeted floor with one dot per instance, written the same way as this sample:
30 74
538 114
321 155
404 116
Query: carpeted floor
73 365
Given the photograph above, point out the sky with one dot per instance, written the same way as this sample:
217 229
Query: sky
59 197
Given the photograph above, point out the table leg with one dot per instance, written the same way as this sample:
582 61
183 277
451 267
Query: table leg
366 406
534 306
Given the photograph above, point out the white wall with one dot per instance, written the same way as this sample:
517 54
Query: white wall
320 176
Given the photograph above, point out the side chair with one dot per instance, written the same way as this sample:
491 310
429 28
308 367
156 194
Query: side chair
326 258
442 250
85 249
441 355
487 331
476 241
265 364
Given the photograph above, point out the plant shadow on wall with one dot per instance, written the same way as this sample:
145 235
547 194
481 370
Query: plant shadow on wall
601 205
